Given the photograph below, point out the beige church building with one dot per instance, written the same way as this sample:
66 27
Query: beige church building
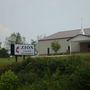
70 41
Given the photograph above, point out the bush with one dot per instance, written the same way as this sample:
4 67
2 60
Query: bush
8 81
50 73
15 67
27 78
4 53
80 80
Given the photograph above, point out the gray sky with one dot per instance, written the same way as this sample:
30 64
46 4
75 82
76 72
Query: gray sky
42 17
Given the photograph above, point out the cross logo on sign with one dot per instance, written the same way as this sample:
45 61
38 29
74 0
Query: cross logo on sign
17 49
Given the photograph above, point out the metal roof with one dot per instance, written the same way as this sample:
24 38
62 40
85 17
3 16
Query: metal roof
66 34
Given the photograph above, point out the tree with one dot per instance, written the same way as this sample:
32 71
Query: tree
18 38
33 42
14 38
55 46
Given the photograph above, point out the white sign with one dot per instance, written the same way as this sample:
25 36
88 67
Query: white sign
24 49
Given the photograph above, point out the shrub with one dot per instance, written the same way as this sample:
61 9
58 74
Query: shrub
8 81
80 79
4 53
27 78
50 73
16 67
55 46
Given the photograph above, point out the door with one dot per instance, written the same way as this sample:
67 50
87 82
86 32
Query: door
48 51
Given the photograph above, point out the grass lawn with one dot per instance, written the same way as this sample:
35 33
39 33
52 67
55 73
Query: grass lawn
10 60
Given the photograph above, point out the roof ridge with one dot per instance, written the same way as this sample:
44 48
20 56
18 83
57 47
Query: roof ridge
66 33
63 31
72 30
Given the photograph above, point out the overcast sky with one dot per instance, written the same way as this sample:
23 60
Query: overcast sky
42 17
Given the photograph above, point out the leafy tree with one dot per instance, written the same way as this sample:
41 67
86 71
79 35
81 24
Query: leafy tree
33 42
18 38
14 38
23 40
55 46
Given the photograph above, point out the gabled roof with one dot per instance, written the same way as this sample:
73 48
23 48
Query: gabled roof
66 34
78 35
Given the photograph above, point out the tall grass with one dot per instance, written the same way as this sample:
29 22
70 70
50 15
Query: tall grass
53 73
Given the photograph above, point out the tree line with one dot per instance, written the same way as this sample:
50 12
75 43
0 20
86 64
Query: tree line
14 38
17 38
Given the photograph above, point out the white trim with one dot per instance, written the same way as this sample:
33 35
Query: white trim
79 38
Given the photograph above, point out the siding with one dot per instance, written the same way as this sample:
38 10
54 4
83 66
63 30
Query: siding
75 46
43 45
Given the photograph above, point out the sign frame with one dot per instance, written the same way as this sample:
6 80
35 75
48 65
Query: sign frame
24 49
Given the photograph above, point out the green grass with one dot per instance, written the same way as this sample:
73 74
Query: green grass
87 53
10 60
5 61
